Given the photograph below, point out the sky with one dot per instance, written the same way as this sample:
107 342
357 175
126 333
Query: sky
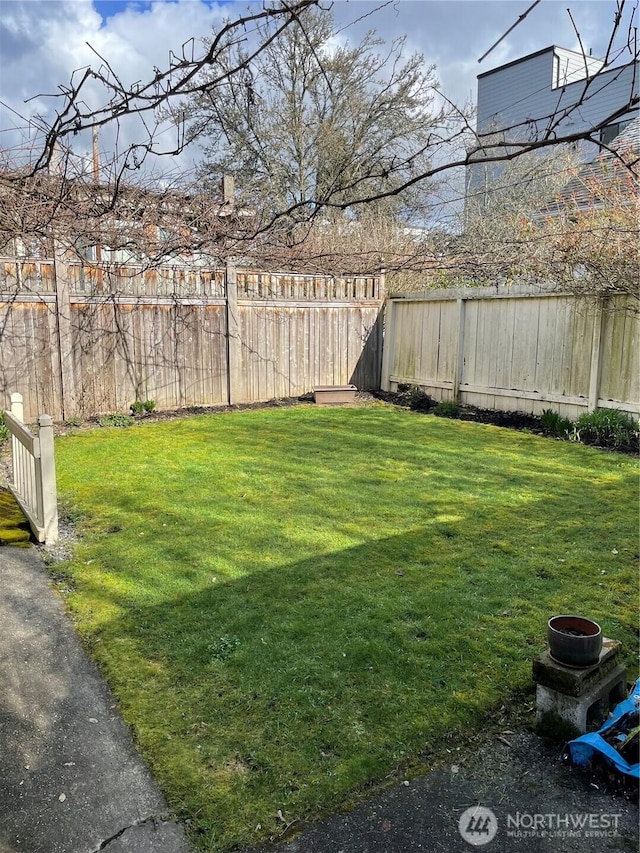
43 41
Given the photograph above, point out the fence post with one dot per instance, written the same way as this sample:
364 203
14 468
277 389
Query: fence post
233 334
17 406
459 361
388 344
596 351
48 498
379 292
63 323
17 410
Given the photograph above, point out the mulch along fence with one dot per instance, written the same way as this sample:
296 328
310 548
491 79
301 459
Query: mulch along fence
78 340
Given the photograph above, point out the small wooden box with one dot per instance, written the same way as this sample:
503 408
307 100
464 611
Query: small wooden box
334 395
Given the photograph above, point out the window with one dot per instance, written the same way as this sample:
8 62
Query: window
609 133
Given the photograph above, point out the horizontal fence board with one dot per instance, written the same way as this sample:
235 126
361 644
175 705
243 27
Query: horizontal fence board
23 434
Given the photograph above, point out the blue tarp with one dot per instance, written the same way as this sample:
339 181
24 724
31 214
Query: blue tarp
620 732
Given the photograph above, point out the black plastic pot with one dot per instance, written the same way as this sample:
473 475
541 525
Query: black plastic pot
574 640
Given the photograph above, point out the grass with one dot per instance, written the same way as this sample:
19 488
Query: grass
291 604
14 527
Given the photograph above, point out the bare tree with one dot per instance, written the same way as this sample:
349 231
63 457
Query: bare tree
220 74
309 115
553 219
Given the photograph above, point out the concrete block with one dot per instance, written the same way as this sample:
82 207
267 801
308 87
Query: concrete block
574 681
593 702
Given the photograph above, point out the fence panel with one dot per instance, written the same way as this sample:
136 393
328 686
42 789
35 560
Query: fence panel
96 339
518 348
619 366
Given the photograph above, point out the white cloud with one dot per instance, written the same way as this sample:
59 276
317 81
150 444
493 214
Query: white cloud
46 44
42 42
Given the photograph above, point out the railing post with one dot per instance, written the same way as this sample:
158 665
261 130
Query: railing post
17 407
47 479
17 462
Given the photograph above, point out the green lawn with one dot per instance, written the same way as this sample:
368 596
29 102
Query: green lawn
292 603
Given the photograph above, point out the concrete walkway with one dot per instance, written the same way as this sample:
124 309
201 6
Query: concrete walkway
70 778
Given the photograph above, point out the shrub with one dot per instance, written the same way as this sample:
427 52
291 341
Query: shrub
73 421
415 398
447 409
116 419
608 428
4 432
138 407
555 424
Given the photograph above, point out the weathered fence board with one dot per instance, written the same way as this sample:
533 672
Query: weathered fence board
523 349
79 340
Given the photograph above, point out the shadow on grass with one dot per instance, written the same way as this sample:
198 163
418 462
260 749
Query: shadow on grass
290 688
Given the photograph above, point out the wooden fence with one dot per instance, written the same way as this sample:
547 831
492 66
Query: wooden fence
80 340
516 349
33 471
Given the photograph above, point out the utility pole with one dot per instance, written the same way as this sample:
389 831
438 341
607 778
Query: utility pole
96 178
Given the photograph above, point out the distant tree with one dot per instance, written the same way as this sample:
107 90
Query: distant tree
495 221
552 219
589 239
314 128
313 118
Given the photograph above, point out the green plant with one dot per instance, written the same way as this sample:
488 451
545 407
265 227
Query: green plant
73 421
555 424
116 419
223 648
447 409
608 428
4 432
138 407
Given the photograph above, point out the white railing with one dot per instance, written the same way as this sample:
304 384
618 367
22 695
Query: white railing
33 471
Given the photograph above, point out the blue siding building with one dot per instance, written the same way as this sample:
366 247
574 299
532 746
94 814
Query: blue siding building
555 92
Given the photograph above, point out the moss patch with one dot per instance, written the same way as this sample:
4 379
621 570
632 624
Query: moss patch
14 527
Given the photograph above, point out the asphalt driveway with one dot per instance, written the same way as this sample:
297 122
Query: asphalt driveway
70 778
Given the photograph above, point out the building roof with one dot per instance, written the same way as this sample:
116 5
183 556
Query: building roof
595 181
553 48
628 139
